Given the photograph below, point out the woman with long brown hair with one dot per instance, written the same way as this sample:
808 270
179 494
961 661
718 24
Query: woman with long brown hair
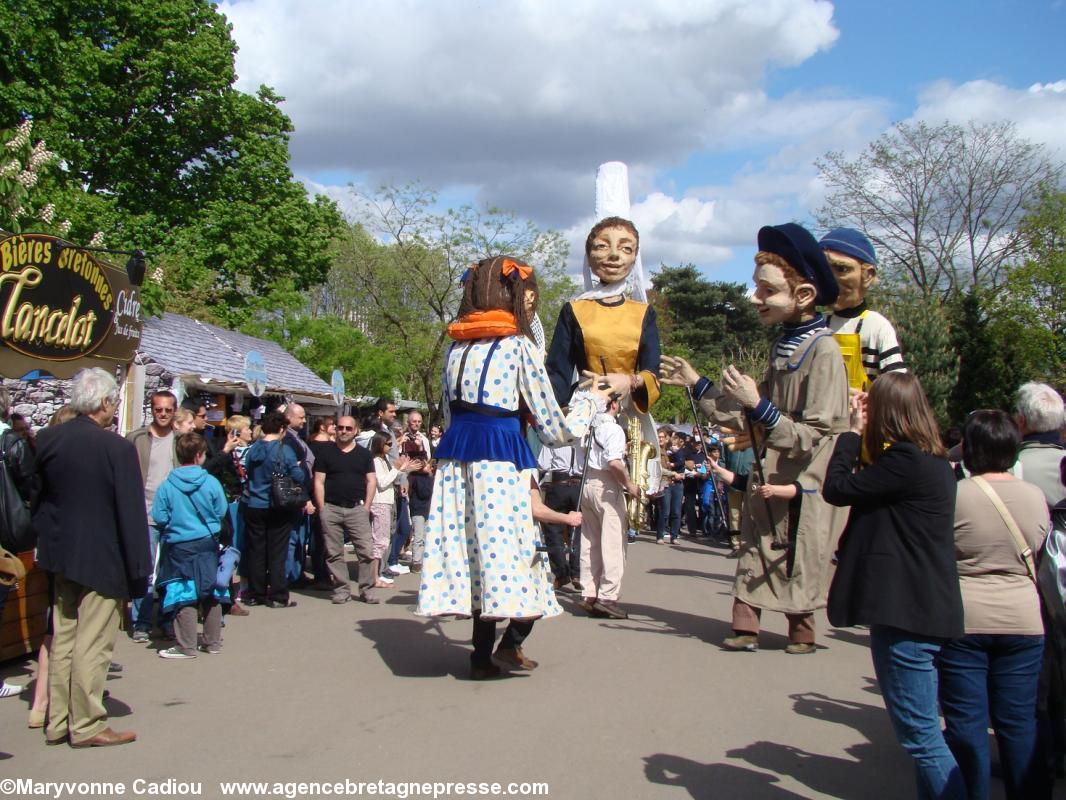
896 570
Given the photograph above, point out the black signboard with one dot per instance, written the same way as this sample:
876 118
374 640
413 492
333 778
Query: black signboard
63 308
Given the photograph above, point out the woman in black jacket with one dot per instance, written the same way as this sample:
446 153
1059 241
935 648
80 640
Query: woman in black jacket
896 570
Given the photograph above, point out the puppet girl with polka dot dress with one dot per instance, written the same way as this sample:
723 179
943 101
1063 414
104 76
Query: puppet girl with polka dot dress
481 559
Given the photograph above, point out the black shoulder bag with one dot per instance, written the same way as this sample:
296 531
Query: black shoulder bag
16 528
286 493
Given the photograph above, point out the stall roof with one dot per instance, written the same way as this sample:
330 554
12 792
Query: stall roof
213 356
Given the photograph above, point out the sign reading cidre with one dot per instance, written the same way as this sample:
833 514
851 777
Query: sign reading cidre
63 306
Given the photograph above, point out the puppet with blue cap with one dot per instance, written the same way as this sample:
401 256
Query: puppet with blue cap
788 532
867 339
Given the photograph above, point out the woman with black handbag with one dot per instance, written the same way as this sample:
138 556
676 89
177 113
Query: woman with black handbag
274 489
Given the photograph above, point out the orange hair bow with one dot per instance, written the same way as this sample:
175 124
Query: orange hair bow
509 267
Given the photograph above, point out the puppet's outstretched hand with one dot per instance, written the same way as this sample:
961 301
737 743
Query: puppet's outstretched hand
675 371
618 383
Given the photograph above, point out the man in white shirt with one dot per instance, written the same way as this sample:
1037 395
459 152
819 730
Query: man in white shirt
603 509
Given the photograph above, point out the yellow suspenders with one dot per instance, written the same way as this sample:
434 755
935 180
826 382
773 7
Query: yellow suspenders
851 349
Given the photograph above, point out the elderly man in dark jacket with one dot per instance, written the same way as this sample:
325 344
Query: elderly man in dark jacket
91 521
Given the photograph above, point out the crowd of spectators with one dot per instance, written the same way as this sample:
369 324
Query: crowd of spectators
939 556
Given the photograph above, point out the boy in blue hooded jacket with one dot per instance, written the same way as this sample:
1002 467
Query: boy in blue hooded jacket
188 508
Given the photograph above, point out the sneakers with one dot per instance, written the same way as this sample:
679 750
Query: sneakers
385 579
399 569
175 653
211 649
141 637
742 643
800 648
349 547
11 689
662 541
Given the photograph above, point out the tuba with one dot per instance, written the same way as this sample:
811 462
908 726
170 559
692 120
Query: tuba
638 453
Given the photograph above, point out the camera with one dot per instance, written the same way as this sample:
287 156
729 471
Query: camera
411 446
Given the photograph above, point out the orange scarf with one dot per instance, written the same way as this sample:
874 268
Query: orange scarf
484 325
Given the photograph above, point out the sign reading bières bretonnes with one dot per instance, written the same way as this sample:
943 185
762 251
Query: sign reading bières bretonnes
63 308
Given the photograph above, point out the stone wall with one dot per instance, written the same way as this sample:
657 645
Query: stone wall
156 377
38 400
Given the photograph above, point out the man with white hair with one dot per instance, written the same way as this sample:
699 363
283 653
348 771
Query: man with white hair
91 523
1040 418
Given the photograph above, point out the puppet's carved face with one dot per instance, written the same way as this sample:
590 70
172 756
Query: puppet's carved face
776 301
853 277
612 254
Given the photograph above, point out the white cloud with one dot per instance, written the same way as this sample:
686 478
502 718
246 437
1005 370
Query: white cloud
523 99
516 102
1039 112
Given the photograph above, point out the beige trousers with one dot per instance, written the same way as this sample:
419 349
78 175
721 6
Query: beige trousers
603 536
85 625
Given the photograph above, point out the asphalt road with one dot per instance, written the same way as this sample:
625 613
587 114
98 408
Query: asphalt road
650 707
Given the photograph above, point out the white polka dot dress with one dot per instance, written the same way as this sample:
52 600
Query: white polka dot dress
480 535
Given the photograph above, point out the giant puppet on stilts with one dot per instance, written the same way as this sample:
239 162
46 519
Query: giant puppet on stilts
610 327
792 416
481 559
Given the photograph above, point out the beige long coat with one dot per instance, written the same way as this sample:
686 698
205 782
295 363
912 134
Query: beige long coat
810 388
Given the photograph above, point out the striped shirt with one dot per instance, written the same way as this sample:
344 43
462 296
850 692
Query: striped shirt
791 337
880 347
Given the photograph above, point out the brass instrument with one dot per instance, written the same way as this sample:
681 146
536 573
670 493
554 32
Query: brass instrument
638 453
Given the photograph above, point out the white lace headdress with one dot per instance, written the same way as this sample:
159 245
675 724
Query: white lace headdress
612 200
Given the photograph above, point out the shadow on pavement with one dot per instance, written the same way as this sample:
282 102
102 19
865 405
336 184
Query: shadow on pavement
713 781
417 649
691 573
116 708
652 619
834 776
857 637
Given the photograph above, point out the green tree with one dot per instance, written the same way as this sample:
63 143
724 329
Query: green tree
325 343
396 272
941 203
160 150
710 323
1034 300
993 359
923 327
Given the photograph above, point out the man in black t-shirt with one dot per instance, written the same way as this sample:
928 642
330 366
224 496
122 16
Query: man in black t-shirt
344 488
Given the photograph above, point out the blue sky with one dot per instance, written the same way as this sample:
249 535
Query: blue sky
718 106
